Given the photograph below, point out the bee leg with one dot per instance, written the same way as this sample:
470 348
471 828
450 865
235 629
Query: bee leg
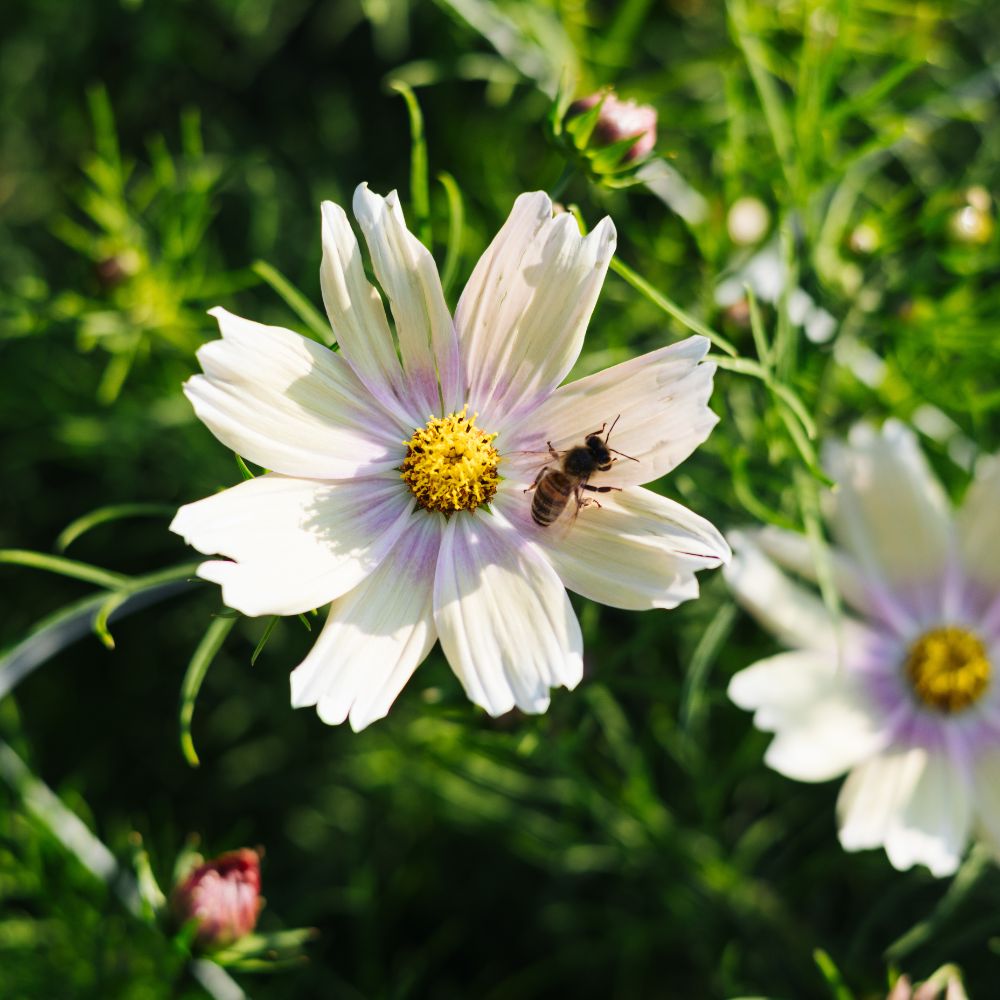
555 454
538 479
601 489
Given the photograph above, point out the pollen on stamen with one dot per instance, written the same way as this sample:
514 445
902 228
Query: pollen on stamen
451 464
948 668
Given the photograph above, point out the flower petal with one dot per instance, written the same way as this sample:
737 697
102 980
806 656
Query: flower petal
796 552
297 544
503 616
523 314
987 794
376 634
911 801
793 614
357 316
289 404
889 511
637 551
823 721
408 275
977 524
660 403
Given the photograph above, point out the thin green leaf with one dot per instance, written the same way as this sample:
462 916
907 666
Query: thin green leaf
318 327
57 631
831 974
419 185
761 345
243 467
65 567
113 512
456 225
263 640
211 643
675 311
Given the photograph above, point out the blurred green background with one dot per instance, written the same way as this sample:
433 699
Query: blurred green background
629 843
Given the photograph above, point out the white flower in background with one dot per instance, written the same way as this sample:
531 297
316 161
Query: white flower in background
901 694
399 465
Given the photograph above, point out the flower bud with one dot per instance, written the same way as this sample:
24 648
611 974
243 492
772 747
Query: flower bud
619 120
223 896
747 221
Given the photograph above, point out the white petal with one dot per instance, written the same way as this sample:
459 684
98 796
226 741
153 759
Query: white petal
978 524
376 635
793 614
408 275
297 544
660 402
823 721
290 404
637 551
795 551
503 616
911 801
358 319
889 511
987 794
523 314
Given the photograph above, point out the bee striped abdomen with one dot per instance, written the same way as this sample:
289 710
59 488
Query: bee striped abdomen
552 494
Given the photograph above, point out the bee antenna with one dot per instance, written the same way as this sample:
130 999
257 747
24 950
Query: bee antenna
623 455
611 428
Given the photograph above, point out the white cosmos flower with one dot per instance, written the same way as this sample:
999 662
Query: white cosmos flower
902 693
399 465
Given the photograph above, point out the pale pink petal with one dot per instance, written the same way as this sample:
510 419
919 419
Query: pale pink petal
658 404
911 801
987 795
796 552
376 634
978 524
357 316
889 510
823 720
795 615
637 551
408 275
503 616
522 316
290 404
297 543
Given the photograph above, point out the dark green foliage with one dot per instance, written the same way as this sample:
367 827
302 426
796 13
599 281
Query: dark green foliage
630 843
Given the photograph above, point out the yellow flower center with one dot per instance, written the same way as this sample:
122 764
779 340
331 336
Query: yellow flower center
451 464
948 668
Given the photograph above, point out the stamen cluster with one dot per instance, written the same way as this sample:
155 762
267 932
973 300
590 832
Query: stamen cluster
451 464
948 668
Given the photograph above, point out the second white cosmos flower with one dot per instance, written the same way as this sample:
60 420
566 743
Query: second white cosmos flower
400 465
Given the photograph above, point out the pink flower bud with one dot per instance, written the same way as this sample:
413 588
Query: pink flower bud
223 895
620 120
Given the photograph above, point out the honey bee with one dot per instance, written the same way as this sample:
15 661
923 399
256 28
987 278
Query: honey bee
555 485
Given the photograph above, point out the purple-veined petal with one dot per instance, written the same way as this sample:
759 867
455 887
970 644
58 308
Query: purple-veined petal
354 308
658 404
911 801
290 404
408 275
823 721
889 510
503 616
297 544
523 315
636 551
978 525
795 615
376 635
